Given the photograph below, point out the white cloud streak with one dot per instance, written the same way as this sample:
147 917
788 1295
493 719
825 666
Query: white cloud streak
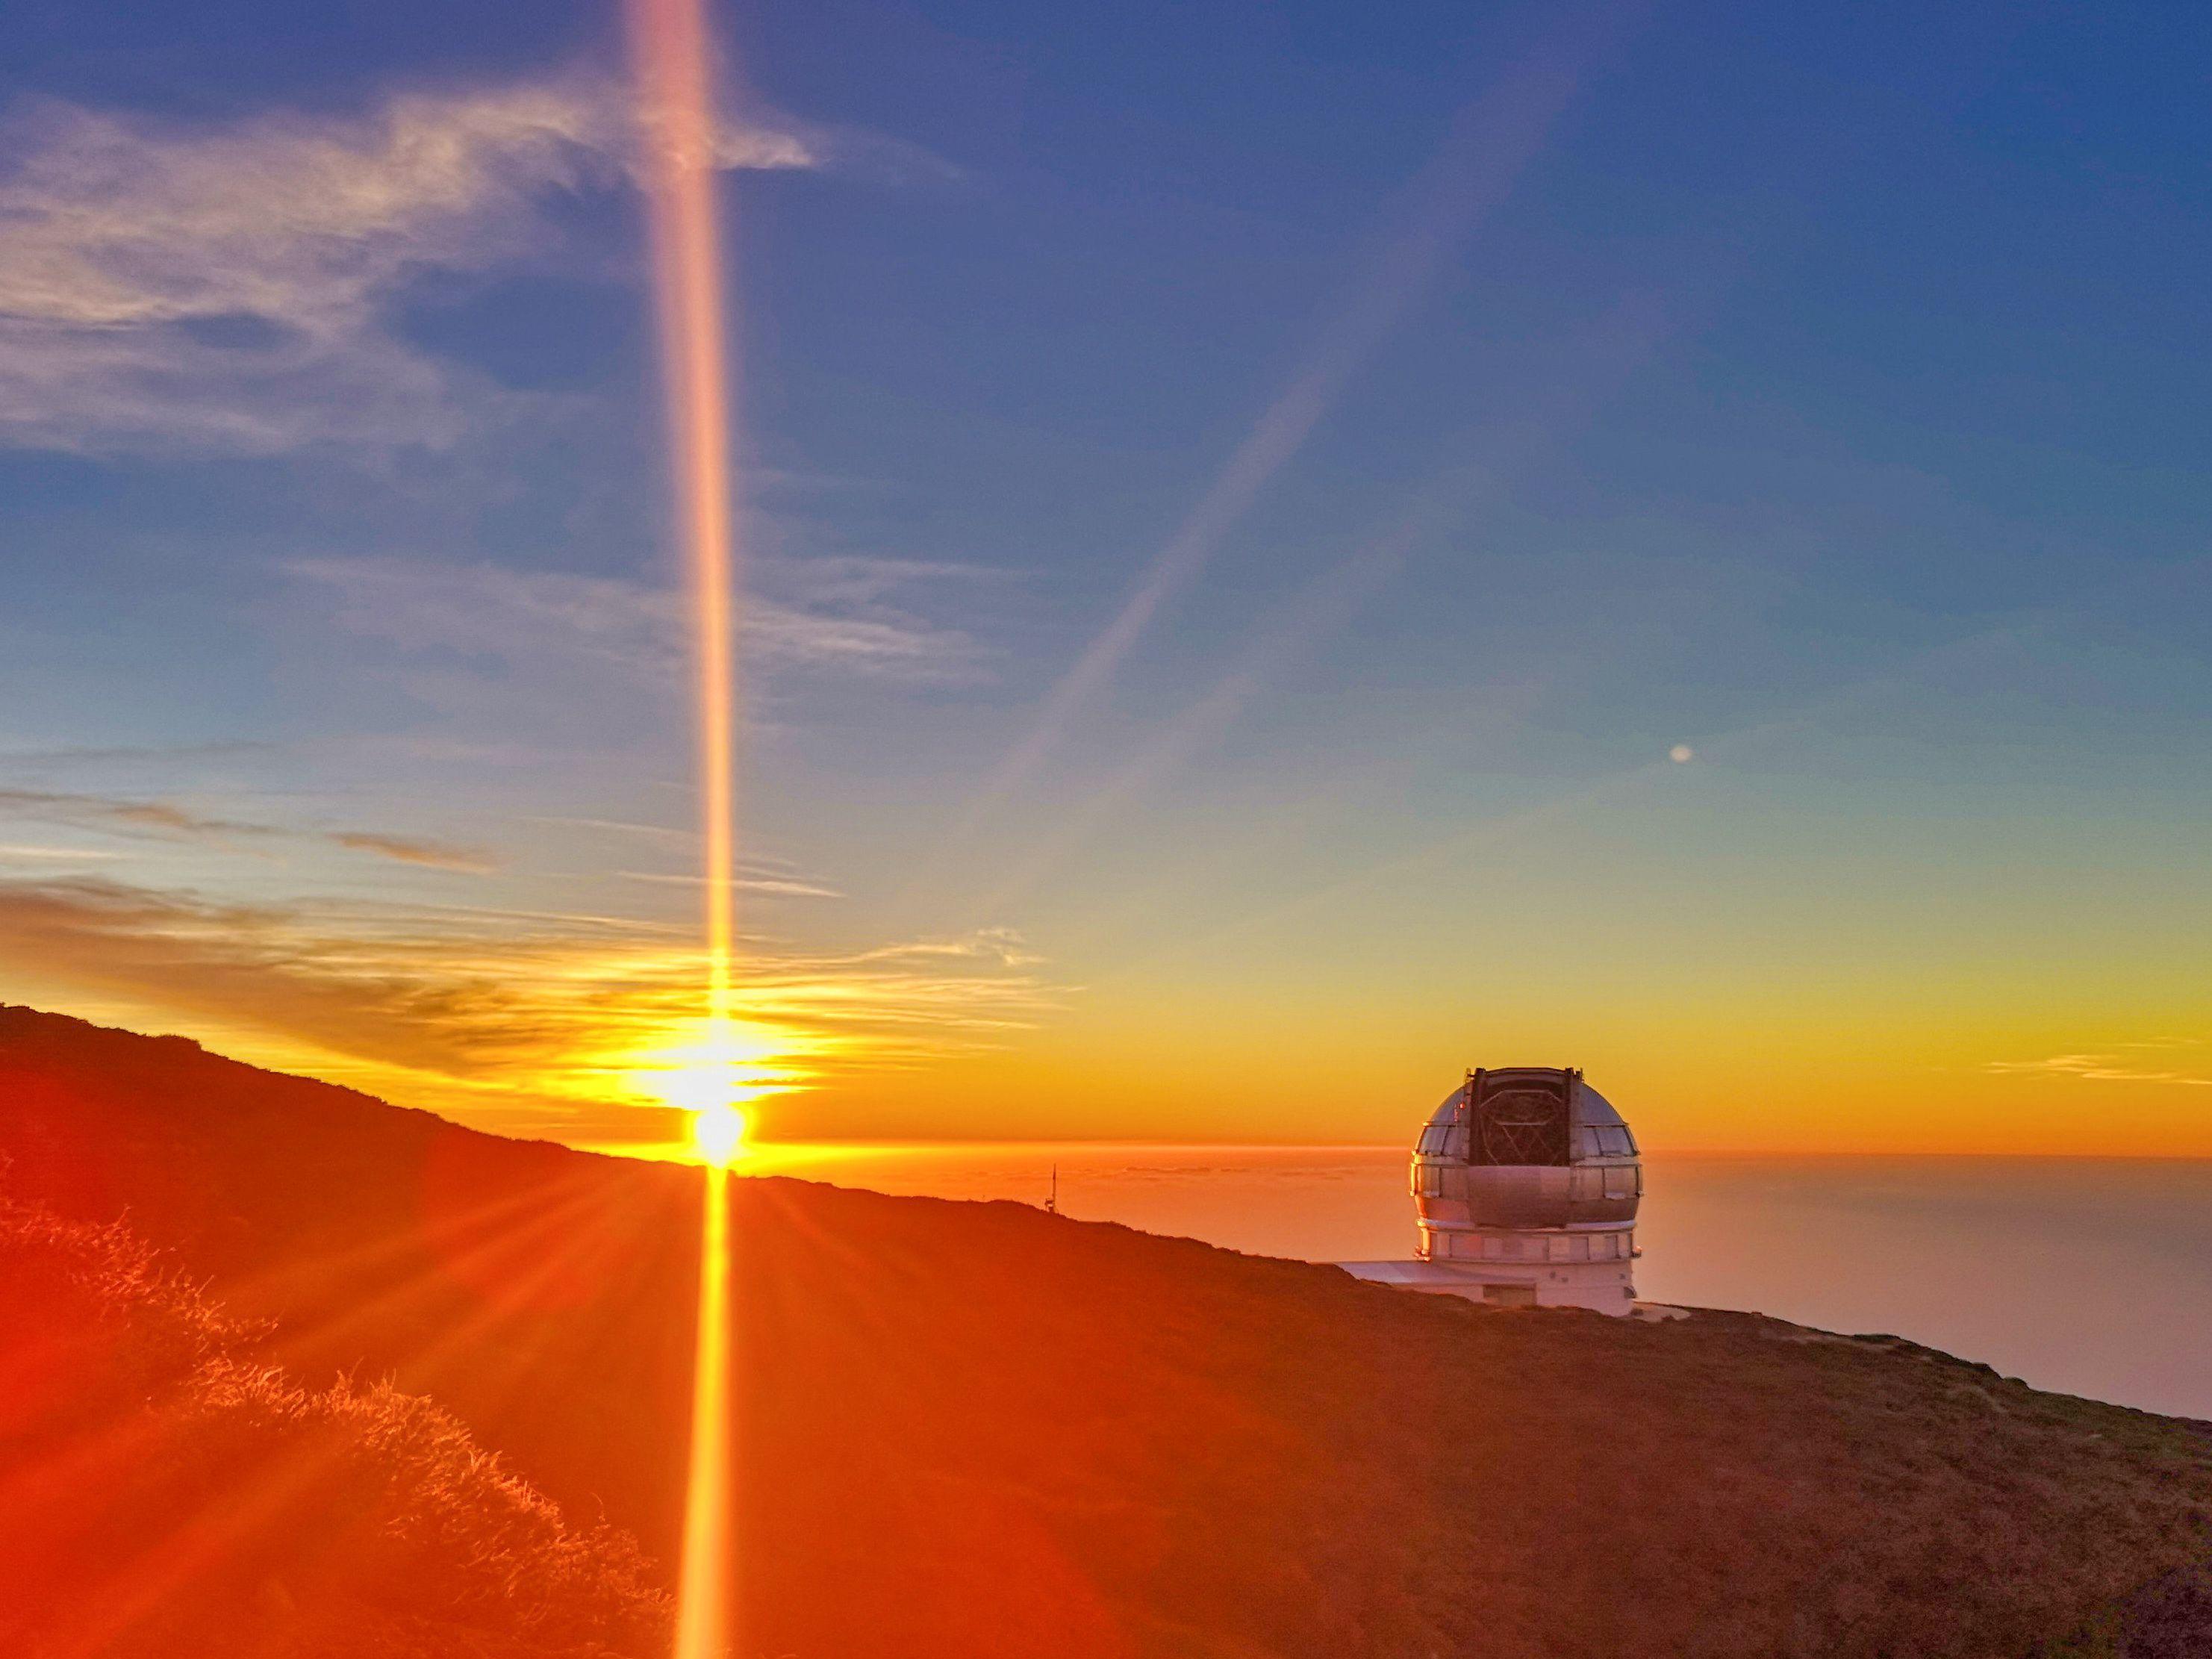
229 289
831 614
166 820
2094 1068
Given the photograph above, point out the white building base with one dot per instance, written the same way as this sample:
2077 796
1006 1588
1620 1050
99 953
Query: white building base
1605 1287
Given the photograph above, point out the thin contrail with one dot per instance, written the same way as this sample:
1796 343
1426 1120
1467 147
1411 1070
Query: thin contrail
1323 604
1620 343
1492 141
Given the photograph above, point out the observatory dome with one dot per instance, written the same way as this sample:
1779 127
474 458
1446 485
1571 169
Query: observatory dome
1529 1173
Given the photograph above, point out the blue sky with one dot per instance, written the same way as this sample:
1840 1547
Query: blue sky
1474 403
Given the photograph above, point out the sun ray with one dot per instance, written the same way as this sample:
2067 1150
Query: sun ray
702 1611
670 40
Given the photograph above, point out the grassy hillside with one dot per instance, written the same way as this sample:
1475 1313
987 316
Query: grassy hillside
976 1428
162 1494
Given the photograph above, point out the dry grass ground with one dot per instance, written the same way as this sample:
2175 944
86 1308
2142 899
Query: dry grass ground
162 1496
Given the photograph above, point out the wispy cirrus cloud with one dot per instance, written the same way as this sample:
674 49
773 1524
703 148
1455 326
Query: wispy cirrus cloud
229 288
840 614
2100 1068
170 820
464 1007
403 849
37 852
768 886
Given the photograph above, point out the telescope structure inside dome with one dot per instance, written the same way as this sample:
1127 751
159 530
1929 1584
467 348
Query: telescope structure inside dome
1525 1183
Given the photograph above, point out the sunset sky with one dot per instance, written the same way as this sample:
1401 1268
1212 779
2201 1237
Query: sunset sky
1290 549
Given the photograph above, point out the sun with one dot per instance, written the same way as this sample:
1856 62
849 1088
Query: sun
716 1072
718 1134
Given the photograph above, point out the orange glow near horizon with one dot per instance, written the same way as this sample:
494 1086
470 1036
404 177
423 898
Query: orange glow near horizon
718 1064
670 40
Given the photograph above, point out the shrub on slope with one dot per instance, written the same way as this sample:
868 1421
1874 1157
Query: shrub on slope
159 1496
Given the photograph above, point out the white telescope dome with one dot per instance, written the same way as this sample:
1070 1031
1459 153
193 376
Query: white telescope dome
1527 1176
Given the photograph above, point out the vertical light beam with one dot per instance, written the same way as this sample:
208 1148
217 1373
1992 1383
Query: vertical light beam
670 44
702 1615
669 39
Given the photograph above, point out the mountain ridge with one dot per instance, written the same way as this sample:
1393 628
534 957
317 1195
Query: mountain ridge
969 1427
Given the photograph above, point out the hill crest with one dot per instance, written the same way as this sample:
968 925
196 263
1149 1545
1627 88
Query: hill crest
978 1427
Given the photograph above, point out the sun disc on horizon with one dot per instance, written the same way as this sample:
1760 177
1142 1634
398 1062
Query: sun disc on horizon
718 1134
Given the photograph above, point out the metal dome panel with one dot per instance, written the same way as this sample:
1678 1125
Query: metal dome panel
1524 1148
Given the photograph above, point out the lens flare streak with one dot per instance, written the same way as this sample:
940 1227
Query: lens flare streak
669 42
703 1602
672 55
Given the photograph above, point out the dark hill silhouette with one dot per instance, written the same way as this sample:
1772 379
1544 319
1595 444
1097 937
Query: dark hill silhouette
976 1428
